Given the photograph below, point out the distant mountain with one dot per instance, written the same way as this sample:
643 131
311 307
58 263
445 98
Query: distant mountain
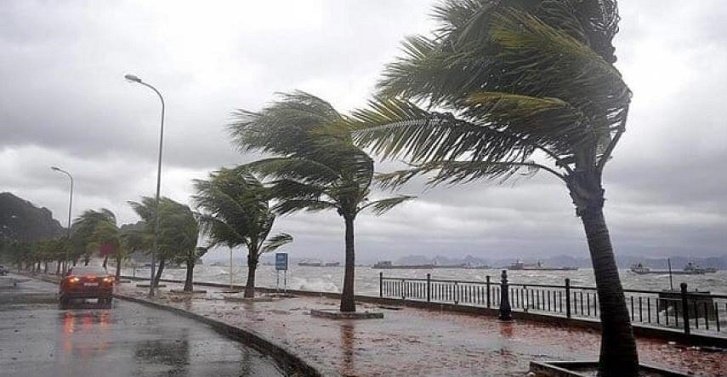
20 220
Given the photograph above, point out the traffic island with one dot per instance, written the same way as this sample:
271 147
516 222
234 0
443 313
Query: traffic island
337 314
589 369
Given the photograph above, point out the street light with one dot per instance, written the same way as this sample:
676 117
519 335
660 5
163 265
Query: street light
135 79
70 207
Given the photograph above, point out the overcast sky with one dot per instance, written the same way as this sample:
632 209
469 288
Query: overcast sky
64 102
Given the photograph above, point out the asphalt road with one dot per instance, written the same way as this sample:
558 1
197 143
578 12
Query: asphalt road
39 339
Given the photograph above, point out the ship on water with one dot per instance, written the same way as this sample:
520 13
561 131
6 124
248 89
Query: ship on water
386 265
317 263
689 269
522 266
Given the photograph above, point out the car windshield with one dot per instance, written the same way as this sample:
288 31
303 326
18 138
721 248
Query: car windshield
88 270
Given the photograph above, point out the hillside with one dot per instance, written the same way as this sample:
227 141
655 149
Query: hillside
20 220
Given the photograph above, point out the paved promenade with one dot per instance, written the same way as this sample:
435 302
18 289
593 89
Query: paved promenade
417 342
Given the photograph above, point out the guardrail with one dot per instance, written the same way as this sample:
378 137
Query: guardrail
682 310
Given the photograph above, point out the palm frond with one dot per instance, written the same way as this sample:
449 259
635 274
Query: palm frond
454 172
294 205
538 54
276 242
393 127
382 206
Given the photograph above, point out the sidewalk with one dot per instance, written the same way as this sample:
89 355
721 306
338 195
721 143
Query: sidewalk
416 342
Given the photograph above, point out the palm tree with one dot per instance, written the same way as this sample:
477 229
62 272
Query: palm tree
178 230
316 166
519 87
132 240
179 233
235 211
84 238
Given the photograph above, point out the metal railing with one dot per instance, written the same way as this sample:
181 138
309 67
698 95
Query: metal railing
683 310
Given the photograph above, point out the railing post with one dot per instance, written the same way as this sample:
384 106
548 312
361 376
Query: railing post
567 297
487 278
505 309
429 287
685 308
381 284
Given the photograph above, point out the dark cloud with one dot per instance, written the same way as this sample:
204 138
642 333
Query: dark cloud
64 102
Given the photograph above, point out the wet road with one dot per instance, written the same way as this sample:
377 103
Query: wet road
39 339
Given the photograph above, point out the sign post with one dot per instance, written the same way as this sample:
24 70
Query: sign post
281 264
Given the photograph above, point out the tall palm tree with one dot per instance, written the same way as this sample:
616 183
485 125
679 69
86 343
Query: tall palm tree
179 233
84 239
178 230
315 165
234 212
519 86
106 240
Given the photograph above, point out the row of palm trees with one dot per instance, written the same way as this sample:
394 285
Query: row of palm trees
502 88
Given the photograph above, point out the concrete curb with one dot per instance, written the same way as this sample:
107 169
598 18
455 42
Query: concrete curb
289 360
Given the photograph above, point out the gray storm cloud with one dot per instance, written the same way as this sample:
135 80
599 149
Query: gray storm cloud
64 102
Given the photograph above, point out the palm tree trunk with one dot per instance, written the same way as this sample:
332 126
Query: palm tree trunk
105 262
118 266
188 286
58 267
251 268
347 300
619 356
159 272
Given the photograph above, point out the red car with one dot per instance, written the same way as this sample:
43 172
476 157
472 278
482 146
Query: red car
87 282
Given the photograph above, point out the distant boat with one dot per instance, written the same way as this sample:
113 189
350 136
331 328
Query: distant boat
388 265
689 269
310 263
521 266
470 266
640 269
317 263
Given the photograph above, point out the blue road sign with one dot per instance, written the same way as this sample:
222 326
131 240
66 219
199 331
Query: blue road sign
281 261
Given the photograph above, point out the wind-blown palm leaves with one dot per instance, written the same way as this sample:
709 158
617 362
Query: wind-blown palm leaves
85 238
178 229
179 233
132 240
314 167
517 86
235 211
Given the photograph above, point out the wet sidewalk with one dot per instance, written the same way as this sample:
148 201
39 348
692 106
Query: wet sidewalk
416 342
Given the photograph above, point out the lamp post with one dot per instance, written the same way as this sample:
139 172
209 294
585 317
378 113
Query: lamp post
70 208
155 246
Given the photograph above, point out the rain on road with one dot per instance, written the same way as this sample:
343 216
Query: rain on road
39 339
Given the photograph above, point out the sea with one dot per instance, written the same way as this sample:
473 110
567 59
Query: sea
330 279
